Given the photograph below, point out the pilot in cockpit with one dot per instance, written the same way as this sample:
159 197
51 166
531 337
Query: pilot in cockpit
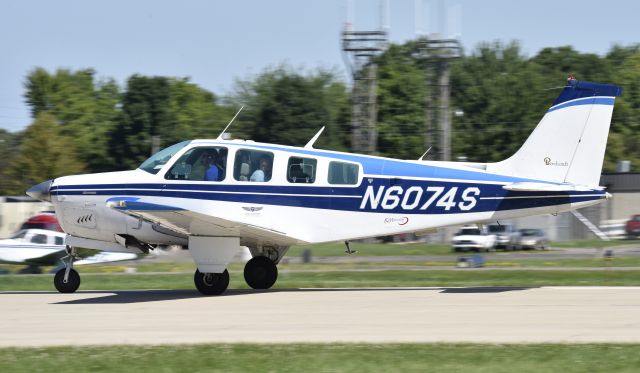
209 161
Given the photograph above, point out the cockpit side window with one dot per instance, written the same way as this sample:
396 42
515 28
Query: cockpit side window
301 170
343 173
39 238
253 165
202 163
158 160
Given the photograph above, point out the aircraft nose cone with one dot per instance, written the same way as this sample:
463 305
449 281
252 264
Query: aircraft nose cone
41 191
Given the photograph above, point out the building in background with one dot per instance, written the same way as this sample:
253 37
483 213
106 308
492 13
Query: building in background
16 210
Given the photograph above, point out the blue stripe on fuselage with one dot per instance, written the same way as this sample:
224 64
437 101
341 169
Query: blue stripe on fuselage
379 166
491 197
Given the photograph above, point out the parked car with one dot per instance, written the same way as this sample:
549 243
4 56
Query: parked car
472 238
632 227
507 236
533 239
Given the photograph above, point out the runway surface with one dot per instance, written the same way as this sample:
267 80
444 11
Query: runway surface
496 315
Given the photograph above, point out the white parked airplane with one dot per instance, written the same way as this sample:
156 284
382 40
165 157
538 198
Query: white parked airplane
41 247
216 195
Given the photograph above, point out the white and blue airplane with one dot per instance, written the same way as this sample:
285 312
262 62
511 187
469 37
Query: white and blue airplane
218 195
43 247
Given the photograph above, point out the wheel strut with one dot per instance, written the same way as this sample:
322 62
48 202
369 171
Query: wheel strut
67 279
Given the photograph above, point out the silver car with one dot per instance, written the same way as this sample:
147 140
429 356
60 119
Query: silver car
507 236
533 239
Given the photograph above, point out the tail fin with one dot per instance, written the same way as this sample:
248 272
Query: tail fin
568 144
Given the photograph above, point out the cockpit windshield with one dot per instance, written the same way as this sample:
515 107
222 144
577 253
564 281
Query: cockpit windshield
19 236
156 161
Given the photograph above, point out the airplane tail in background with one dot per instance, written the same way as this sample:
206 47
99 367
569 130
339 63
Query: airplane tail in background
568 144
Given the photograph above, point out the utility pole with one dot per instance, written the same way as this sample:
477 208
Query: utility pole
155 144
359 50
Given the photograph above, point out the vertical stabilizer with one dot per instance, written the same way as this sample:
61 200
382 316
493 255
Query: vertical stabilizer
568 144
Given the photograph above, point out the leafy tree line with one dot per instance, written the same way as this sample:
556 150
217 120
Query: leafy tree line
84 124
502 95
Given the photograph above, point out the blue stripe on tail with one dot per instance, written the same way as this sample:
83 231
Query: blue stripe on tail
578 89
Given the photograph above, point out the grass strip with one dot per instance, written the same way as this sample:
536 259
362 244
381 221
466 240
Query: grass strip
382 278
620 358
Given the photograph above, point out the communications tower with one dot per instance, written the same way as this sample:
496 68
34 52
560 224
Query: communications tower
360 48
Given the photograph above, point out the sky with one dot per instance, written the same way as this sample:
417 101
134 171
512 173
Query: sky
216 42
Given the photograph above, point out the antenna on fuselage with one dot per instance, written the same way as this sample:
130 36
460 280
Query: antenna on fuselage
313 139
425 153
232 119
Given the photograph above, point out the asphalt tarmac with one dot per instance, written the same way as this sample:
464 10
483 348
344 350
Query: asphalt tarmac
494 315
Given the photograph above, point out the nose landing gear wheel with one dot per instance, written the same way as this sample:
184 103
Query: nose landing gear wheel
211 283
260 272
72 284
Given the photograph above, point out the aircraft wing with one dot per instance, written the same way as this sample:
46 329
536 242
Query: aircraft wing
548 187
106 257
31 254
189 222
50 255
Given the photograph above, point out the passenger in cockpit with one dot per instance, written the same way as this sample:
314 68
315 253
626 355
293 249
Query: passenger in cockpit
263 173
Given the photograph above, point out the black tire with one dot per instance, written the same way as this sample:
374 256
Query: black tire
211 283
71 285
260 272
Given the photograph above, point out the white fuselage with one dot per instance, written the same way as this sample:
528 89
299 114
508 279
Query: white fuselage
385 197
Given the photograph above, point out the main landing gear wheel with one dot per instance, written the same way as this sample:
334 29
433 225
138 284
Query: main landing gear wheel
260 272
69 286
211 283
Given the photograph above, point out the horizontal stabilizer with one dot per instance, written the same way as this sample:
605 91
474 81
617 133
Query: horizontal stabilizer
547 187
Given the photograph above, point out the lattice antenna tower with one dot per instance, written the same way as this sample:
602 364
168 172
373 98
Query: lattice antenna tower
437 53
359 51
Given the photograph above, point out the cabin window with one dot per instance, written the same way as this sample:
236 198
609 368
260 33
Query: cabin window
301 170
253 165
158 160
39 238
343 173
59 240
202 163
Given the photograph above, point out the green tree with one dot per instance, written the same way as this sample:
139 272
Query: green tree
145 113
288 107
195 112
9 146
502 97
167 109
401 100
85 109
624 138
43 154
